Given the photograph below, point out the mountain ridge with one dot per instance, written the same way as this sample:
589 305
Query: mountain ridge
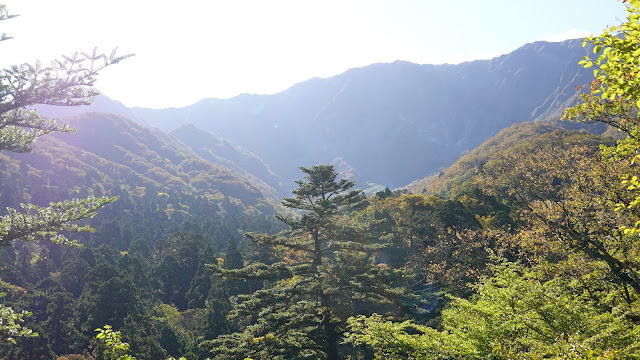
110 154
394 122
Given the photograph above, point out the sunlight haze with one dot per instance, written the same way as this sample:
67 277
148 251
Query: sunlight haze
192 50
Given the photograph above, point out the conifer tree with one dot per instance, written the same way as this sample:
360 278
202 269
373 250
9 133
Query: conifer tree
326 275
63 83
233 260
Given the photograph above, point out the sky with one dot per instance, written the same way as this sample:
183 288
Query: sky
193 49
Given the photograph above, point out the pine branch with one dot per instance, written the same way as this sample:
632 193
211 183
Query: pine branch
44 223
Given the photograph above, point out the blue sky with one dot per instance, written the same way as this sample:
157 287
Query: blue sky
193 49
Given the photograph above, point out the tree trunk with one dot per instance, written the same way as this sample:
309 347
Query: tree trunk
332 336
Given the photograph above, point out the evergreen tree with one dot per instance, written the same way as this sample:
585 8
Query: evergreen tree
200 287
326 274
63 83
73 276
60 324
108 298
233 260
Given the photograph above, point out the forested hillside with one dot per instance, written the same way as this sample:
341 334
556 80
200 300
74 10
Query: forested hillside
392 123
223 152
109 155
516 139
121 241
175 213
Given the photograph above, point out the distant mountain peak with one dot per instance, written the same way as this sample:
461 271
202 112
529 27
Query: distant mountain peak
391 122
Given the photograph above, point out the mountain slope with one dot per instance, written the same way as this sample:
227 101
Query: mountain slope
223 152
110 155
517 139
101 103
392 123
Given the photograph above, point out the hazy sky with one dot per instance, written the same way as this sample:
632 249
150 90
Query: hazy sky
188 50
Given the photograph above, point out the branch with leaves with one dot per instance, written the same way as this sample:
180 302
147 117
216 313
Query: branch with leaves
10 327
36 223
64 83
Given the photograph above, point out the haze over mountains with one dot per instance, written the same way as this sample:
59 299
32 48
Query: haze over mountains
481 207
152 172
387 124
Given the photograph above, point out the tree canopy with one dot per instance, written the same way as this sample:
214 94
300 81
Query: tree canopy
327 271
64 83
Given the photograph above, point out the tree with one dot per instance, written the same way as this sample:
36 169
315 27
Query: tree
233 260
63 83
60 324
516 314
108 298
326 274
10 327
36 223
566 200
614 97
110 345
576 290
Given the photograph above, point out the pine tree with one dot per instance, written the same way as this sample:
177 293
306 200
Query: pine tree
63 83
233 260
325 276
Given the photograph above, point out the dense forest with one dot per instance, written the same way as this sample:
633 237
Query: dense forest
123 242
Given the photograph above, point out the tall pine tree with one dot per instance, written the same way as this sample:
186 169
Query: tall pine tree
326 274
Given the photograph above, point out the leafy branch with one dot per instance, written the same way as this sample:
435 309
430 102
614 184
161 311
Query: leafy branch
36 223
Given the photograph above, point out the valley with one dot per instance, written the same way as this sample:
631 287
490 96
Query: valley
486 209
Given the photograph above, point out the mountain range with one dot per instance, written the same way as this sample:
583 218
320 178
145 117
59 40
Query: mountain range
109 155
387 124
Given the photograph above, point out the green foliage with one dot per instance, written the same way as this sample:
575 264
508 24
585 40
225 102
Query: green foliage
441 240
569 290
115 349
10 324
616 66
61 324
614 96
233 260
60 84
108 297
44 223
326 272
575 236
63 83
402 340
565 202
516 139
516 314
